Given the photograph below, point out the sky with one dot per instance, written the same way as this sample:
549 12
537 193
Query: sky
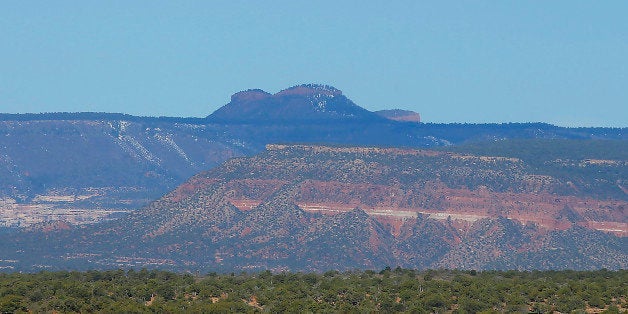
560 62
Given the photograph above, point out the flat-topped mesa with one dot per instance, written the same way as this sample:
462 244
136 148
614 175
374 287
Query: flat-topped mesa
249 95
352 150
297 104
310 90
391 151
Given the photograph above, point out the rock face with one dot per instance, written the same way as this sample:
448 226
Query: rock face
400 115
304 207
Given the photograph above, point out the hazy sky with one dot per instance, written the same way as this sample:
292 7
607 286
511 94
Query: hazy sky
562 62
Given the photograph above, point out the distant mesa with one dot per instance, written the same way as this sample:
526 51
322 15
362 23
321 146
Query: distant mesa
400 115
297 104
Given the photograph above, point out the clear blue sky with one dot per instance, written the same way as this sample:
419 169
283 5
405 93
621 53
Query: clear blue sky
562 62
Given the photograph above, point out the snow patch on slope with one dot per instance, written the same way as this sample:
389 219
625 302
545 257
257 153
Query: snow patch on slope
168 141
136 149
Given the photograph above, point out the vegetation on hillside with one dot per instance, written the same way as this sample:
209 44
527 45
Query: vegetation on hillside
537 151
602 162
388 291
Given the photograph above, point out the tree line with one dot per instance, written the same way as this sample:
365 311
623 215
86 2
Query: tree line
387 291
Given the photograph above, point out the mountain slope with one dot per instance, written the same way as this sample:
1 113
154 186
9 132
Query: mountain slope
303 207
85 169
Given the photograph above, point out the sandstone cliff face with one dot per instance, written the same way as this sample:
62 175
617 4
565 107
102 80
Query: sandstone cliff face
306 207
314 208
405 183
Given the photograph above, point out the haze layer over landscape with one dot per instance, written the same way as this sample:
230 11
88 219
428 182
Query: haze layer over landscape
561 62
